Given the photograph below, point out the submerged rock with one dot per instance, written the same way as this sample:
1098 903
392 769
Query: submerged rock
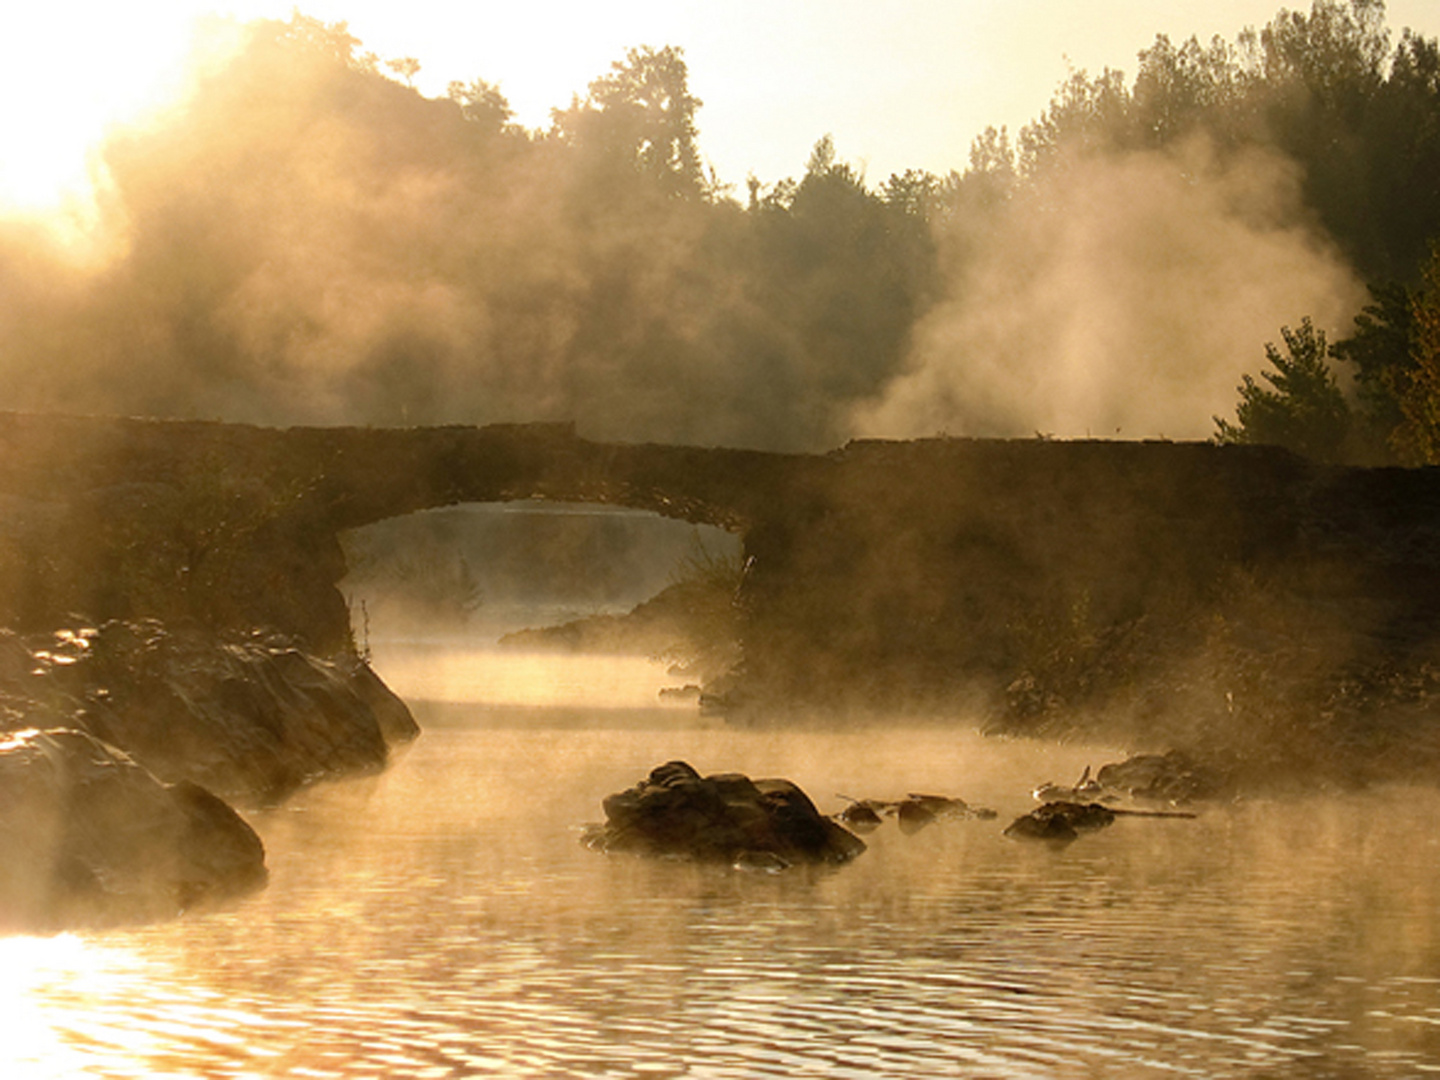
726 818
89 838
913 812
863 815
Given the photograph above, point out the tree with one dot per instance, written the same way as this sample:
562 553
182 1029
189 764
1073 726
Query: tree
913 192
311 36
1302 410
1086 114
640 118
1379 350
1418 436
407 67
1194 87
1323 87
845 272
1338 49
482 103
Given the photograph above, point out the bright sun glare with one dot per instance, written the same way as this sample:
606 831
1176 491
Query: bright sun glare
77 74
81 73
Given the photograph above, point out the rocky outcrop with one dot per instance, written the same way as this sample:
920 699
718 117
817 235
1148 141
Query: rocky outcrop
88 837
250 717
724 818
1173 777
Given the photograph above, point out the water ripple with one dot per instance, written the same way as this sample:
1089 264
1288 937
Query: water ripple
414 928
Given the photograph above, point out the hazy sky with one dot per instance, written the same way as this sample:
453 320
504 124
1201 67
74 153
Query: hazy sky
898 83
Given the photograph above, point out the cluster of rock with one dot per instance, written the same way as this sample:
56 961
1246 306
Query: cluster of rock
912 813
730 819
767 824
122 745
1061 821
1172 779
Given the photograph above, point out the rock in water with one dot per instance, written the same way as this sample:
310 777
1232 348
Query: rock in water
251 718
1173 777
90 838
1060 821
725 818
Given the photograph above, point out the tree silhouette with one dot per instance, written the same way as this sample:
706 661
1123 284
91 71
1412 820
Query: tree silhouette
1302 410
640 119
1418 436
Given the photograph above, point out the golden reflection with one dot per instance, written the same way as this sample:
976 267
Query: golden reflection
425 672
47 985
442 919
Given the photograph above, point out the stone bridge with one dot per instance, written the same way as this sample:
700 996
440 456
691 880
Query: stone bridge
884 574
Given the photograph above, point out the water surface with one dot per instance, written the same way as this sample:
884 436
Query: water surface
441 920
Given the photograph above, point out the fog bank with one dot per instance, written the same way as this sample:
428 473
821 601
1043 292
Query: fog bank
1118 295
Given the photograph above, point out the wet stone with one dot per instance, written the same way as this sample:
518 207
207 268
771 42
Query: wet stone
88 837
728 818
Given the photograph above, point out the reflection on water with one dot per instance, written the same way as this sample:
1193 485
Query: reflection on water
441 920
426 671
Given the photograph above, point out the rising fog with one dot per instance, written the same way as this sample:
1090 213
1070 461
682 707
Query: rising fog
306 240
1117 297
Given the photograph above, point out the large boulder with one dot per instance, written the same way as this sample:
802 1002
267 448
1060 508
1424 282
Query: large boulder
252 718
725 818
90 838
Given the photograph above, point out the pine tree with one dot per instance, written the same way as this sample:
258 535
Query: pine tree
1302 409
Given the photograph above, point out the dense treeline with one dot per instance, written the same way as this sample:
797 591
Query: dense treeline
311 241
308 240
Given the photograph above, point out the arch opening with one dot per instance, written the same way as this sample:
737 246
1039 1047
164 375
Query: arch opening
539 603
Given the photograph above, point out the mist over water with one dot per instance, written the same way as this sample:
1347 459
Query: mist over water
306 242
442 920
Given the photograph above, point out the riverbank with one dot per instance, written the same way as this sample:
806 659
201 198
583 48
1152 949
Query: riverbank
128 746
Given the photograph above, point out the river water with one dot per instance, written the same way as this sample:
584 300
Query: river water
441 920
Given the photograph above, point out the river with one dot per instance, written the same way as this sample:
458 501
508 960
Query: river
441 920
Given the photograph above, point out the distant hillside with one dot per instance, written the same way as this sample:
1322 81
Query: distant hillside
652 628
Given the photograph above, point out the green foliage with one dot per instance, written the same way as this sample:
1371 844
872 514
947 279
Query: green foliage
708 571
305 36
1418 436
1085 114
1302 409
848 268
1192 88
482 104
1378 349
